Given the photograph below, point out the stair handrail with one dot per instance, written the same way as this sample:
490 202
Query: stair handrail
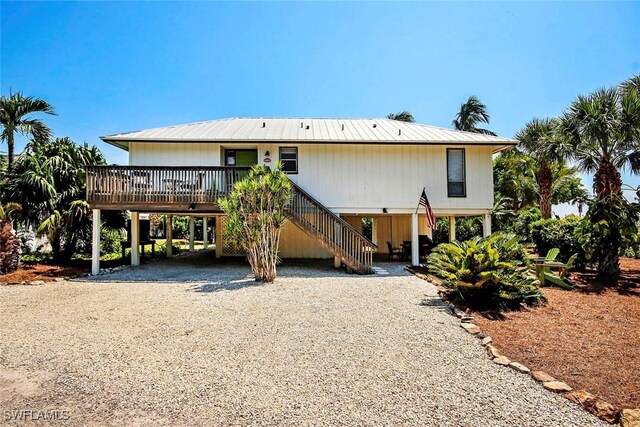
337 218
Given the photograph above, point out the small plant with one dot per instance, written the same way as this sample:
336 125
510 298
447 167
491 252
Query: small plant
486 272
9 241
255 217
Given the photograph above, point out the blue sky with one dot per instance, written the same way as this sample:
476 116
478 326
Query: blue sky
109 67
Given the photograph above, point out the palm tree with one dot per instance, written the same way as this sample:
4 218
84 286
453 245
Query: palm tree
472 112
15 111
540 140
49 181
9 241
630 84
402 116
603 131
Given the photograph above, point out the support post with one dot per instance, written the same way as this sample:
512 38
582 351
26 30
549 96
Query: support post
205 233
486 226
169 231
452 228
337 262
218 231
415 245
95 249
135 238
192 233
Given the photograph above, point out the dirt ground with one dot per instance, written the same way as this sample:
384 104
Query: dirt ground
588 338
28 272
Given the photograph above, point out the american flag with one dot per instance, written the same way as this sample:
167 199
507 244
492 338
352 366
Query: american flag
431 221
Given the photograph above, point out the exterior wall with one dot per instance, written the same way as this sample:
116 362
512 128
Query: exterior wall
389 228
355 178
295 243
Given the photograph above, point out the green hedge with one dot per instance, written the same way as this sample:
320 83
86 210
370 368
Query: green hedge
558 233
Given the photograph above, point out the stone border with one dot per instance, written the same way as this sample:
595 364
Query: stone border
589 402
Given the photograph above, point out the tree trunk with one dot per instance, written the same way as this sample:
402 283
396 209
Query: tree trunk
609 263
607 180
544 177
9 150
56 245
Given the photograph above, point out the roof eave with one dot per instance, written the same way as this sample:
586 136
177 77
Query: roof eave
123 143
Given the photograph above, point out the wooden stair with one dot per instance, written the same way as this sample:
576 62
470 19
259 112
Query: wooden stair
334 234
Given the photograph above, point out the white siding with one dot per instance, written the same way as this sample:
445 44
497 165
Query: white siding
174 154
355 178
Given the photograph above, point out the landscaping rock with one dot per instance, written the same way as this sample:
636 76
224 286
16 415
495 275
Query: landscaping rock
630 418
556 386
492 352
542 376
466 319
602 410
37 282
486 340
519 367
58 279
579 396
471 328
501 360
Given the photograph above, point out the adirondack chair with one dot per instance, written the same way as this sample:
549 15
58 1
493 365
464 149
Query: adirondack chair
562 279
552 254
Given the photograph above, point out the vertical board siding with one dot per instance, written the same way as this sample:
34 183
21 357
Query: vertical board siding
295 243
353 176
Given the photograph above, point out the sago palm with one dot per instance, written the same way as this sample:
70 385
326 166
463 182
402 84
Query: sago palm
540 140
15 117
472 112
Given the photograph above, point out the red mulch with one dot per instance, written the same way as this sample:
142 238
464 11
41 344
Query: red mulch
588 338
45 272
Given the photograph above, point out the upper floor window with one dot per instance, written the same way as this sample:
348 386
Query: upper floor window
289 159
456 179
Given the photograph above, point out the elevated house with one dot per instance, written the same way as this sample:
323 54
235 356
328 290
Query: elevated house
343 170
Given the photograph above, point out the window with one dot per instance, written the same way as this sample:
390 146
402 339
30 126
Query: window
289 159
456 185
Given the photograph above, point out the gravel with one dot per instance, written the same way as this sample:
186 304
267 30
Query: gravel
195 341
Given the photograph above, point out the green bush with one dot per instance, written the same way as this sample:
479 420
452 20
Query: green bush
467 227
490 272
552 233
520 223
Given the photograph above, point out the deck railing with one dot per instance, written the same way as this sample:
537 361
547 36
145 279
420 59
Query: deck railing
168 188
160 185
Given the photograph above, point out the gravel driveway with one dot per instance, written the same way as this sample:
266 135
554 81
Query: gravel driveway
189 341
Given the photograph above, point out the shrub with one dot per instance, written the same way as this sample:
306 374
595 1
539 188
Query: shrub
111 241
467 227
255 217
552 233
489 272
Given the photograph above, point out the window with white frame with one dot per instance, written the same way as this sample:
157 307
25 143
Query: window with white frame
289 159
456 176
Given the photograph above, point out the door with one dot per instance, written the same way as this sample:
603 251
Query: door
235 157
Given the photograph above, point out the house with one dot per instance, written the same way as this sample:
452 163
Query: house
343 170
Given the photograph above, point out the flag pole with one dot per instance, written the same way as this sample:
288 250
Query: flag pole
418 206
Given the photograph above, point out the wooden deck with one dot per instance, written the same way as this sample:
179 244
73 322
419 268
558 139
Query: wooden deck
160 188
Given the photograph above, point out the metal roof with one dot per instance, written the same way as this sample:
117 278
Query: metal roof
308 131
